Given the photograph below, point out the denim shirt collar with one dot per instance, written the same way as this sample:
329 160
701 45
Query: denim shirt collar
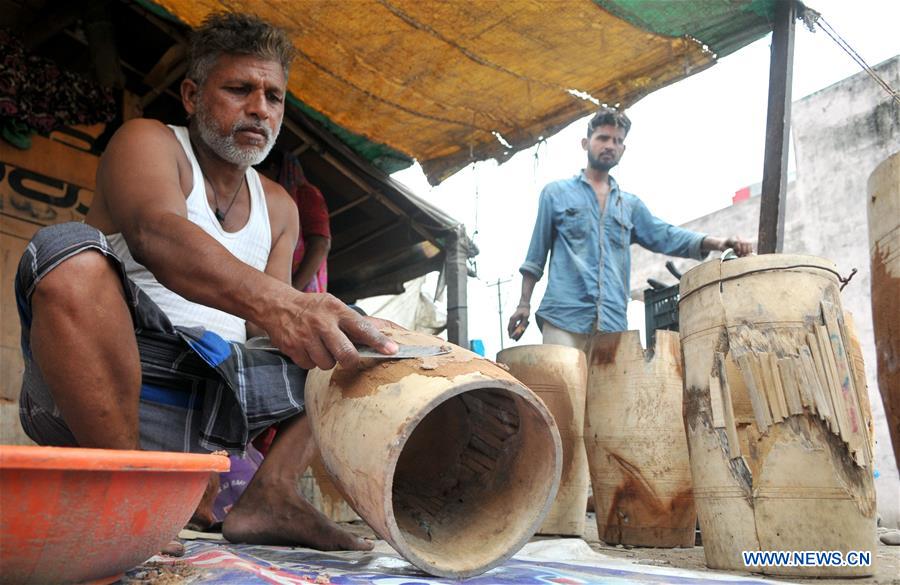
614 192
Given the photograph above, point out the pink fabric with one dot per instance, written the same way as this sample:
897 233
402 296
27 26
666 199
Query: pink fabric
313 217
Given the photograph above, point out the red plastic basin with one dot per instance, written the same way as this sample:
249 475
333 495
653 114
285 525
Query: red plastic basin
88 515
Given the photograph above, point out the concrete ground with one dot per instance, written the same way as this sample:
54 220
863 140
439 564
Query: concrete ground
887 564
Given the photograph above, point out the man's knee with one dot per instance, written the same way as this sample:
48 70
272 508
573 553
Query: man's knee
55 241
77 279
62 260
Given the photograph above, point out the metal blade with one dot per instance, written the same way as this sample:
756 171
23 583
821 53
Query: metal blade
405 351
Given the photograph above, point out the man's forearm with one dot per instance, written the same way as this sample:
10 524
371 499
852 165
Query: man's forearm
711 243
209 274
528 282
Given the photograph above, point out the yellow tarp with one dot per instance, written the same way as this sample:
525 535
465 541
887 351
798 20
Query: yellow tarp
437 80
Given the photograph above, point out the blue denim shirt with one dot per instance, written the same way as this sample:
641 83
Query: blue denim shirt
590 253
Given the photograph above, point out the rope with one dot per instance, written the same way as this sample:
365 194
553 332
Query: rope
811 18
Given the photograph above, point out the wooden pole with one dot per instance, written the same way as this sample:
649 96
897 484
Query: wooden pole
457 297
778 124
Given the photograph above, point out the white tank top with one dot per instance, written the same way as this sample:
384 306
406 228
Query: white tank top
251 244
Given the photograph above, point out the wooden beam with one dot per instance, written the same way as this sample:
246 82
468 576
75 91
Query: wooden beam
344 170
301 134
385 284
100 34
178 33
457 291
380 198
778 125
171 58
48 25
366 238
125 64
348 206
174 75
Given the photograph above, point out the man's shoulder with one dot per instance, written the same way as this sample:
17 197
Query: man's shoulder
141 139
146 129
274 191
629 199
565 182
282 209
141 144
561 186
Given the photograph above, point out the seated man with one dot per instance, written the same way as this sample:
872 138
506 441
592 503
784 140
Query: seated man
133 324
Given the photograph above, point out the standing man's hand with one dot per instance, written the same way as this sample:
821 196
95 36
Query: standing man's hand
519 322
740 246
319 331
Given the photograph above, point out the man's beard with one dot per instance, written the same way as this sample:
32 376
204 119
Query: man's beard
601 165
226 146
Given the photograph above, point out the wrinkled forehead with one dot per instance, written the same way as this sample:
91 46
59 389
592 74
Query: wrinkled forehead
242 67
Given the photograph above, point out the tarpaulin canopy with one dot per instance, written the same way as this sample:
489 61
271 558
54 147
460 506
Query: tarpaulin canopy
456 81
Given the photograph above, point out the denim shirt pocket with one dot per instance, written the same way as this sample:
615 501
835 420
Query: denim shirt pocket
620 235
575 222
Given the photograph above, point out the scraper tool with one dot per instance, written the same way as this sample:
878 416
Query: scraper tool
405 351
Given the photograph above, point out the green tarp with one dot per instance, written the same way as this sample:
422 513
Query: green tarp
722 25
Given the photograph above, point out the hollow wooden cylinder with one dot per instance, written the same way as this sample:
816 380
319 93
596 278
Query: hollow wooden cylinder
558 374
778 427
449 459
320 491
884 247
634 434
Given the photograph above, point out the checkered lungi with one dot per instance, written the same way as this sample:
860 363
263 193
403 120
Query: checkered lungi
199 392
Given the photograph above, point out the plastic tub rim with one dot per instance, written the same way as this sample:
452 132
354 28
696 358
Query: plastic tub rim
83 459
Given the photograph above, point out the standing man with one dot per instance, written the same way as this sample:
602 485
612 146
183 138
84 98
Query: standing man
588 225
133 323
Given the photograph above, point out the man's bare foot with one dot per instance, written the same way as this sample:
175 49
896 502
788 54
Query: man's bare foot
280 516
203 517
173 549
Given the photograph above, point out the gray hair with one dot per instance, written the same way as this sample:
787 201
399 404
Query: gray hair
231 33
